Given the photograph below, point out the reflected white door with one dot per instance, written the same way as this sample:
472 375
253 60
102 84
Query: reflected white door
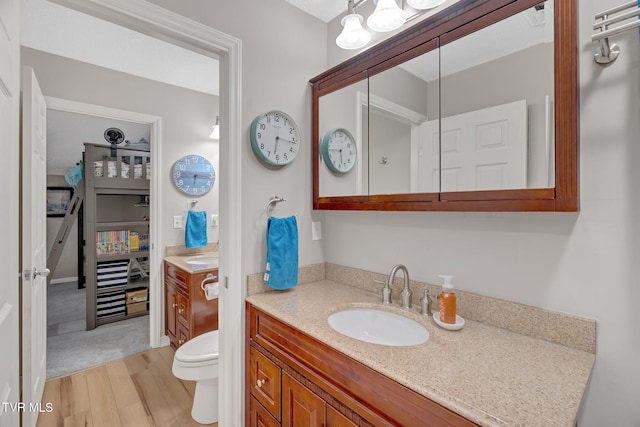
34 246
9 176
481 150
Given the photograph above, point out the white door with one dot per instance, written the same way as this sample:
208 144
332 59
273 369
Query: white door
34 246
9 176
481 150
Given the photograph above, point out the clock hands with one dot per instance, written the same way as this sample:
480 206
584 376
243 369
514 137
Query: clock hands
285 140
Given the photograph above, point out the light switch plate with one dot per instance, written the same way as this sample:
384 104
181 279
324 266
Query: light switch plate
177 221
214 220
316 230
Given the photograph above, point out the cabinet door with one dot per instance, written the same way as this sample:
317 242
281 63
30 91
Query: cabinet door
336 419
184 313
300 406
259 416
182 334
170 313
264 382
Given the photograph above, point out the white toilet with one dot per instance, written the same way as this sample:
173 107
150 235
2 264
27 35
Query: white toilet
197 360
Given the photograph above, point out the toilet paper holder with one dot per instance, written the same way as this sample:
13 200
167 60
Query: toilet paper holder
209 278
210 287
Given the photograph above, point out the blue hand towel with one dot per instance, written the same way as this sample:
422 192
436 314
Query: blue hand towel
195 231
281 271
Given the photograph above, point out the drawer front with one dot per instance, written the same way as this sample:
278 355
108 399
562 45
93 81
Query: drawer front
265 382
176 276
259 416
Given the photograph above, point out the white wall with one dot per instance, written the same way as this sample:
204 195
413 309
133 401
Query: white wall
282 48
583 263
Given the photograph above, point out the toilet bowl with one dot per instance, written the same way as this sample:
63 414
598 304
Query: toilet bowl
197 360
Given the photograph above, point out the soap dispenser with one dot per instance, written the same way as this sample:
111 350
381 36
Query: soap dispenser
447 301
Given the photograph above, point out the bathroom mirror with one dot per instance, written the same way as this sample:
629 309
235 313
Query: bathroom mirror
486 69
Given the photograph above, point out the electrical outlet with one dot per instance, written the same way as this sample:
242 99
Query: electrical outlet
177 221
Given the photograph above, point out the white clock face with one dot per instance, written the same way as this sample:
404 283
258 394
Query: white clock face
340 150
275 138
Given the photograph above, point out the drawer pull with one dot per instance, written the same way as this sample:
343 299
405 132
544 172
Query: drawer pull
260 383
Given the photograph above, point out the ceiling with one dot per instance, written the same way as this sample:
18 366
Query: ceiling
325 10
52 28
55 29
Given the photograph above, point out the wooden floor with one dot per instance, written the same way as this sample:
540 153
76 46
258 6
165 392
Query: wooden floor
139 390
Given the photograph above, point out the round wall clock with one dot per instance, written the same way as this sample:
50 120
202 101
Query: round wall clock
338 150
275 138
194 175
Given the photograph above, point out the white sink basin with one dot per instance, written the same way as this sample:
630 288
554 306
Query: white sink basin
203 260
378 326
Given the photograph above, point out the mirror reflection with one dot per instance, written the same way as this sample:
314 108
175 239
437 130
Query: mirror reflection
403 127
497 88
342 173
480 108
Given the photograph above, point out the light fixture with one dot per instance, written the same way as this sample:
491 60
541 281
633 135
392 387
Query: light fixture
353 36
215 134
387 17
424 4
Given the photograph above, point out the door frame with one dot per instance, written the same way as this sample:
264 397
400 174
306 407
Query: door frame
156 329
158 22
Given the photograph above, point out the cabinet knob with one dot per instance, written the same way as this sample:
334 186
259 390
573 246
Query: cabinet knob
175 305
181 310
260 383
180 342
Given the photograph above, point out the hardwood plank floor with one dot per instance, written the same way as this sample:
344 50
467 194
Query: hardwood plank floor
136 391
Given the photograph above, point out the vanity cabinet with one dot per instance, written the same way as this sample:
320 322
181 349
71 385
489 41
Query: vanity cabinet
187 312
294 380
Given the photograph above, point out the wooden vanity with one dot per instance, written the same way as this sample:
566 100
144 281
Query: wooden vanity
295 380
187 312
300 371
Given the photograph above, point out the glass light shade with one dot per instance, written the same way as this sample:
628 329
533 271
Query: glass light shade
215 134
424 4
353 36
387 16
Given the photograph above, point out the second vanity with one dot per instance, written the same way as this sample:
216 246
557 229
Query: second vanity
187 311
300 369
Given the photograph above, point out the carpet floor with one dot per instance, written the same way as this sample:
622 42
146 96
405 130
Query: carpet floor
71 348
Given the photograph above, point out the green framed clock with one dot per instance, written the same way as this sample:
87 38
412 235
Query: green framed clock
194 175
275 138
338 150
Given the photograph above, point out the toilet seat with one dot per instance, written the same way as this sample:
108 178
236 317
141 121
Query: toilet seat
202 348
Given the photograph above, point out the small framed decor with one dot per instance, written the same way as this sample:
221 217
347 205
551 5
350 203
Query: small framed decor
58 199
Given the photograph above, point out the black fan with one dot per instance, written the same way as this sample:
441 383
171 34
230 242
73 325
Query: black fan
114 136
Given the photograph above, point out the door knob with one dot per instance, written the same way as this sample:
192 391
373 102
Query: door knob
44 272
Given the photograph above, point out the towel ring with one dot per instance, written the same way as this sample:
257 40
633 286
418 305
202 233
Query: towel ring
272 202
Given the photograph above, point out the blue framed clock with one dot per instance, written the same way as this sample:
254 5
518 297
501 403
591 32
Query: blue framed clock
194 175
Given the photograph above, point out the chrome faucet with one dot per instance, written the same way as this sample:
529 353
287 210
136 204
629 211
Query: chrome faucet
405 295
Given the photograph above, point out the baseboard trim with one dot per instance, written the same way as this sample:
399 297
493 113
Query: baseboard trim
63 280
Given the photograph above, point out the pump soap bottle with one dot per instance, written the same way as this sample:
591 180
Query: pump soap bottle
447 301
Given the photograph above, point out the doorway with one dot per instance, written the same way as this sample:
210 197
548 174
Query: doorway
73 345
200 38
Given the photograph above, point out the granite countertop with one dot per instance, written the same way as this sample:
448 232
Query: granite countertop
488 375
181 262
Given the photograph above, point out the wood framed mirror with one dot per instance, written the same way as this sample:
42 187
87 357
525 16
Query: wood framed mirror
541 113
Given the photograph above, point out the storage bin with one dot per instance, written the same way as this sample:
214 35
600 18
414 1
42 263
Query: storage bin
136 307
137 295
